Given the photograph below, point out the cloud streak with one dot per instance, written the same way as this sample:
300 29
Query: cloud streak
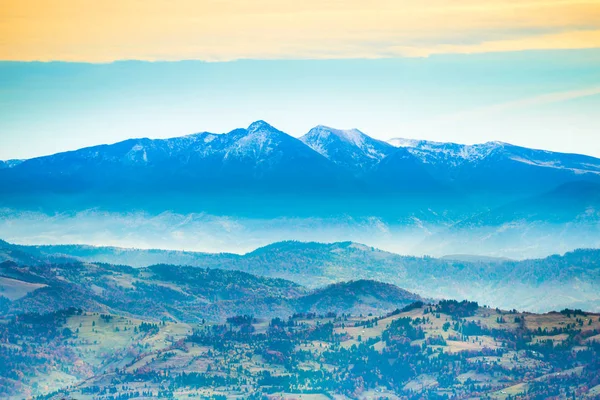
93 31
528 102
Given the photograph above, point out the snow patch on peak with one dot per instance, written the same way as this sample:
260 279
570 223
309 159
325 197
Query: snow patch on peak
257 142
497 143
10 163
353 136
403 142
259 125
209 138
348 147
137 154
431 152
477 151
254 139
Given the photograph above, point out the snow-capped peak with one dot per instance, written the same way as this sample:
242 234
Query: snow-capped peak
257 141
349 147
353 136
259 126
402 142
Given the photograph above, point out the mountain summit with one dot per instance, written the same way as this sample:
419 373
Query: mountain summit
350 149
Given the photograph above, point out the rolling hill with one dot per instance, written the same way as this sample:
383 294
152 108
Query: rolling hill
180 293
555 282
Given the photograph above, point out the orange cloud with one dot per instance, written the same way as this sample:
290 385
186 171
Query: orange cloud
107 30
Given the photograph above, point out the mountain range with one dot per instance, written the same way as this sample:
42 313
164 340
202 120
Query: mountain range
263 160
510 200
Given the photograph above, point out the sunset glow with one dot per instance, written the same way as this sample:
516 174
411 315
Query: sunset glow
104 31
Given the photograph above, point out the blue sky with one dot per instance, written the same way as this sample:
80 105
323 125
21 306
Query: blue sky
542 99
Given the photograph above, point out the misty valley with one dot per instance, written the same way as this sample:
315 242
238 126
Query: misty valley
255 265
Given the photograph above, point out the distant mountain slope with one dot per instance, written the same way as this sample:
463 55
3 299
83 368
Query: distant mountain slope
313 264
568 202
555 221
403 172
138 258
24 255
474 258
316 264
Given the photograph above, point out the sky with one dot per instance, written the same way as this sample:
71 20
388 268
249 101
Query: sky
224 30
76 73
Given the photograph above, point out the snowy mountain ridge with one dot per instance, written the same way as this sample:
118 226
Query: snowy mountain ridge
454 154
325 155
430 150
10 163
350 148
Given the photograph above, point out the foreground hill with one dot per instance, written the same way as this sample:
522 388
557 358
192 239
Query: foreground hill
555 282
73 329
440 350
